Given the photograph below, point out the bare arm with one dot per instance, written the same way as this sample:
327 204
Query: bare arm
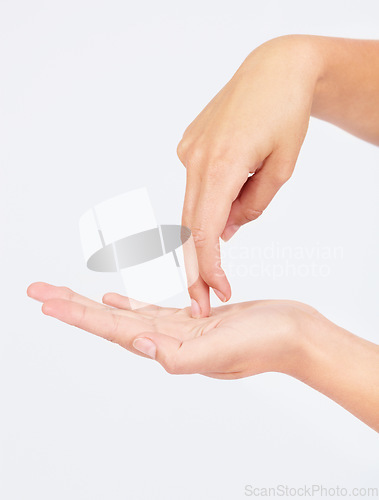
344 367
347 92
236 341
256 125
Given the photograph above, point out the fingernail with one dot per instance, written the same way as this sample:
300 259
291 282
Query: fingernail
146 346
229 231
220 295
195 309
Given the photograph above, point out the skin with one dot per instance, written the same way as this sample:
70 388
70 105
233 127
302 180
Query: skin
238 153
236 341
243 146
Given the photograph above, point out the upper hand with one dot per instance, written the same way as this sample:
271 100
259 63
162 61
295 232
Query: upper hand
255 125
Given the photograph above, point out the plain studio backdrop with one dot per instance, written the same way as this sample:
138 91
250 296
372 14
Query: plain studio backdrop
95 96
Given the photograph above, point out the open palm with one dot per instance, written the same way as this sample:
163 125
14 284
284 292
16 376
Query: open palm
235 341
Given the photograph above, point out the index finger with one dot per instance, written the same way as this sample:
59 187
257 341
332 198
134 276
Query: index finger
207 224
198 290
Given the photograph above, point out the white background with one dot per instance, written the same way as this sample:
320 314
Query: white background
95 96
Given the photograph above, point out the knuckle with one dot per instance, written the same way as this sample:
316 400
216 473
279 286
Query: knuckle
114 328
209 278
284 176
80 322
181 150
189 154
175 363
249 214
213 276
172 366
67 291
281 176
194 156
199 237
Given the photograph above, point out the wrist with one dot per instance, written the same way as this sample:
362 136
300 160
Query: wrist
296 346
293 57
309 333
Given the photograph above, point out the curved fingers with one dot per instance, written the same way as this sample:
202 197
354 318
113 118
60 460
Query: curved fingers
258 191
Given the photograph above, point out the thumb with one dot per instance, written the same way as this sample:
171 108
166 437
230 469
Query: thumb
164 349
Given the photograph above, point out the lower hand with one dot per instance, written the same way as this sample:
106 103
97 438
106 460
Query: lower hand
236 341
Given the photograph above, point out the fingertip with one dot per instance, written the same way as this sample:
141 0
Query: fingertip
36 290
229 231
46 309
29 290
112 298
200 308
199 294
223 297
222 289
195 309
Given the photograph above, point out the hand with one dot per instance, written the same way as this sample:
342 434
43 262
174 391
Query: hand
255 125
235 341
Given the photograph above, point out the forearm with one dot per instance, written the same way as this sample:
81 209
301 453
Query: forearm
347 90
341 74
344 367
